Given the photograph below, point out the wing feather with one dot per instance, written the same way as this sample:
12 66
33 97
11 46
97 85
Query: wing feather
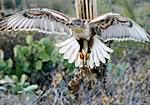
78 60
113 26
96 60
70 49
91 62
99 52
42 20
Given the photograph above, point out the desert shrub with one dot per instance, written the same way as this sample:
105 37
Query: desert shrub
33 57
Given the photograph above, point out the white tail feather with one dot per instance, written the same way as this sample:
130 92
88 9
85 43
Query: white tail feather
101 55
95 53
64 48
70 49
103 45
99 52
74 54
102 50
91 63
77 61
64 42
67 54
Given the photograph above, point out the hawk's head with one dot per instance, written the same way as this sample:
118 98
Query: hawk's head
79 26
79 22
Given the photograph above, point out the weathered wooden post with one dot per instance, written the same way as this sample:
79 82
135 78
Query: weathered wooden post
2 8
14 4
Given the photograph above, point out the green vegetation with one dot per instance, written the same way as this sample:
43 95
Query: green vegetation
28 58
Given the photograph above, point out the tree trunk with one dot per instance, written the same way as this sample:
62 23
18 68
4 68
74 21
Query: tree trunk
14 4
2 8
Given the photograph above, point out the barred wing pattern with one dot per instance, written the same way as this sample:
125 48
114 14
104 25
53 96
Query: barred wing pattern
42 20
46 21
113 26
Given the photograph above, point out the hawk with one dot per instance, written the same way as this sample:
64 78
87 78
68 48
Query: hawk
83 39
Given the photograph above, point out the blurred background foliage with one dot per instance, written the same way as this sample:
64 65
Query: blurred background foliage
29 56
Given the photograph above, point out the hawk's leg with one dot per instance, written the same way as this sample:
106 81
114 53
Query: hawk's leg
84 52
84 59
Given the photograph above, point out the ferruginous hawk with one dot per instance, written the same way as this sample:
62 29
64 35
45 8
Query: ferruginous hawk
84 38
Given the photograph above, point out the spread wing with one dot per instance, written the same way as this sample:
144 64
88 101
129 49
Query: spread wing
46 21
113 26
42 20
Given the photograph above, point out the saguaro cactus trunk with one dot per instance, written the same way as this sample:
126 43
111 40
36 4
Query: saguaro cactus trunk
2 5
86 9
